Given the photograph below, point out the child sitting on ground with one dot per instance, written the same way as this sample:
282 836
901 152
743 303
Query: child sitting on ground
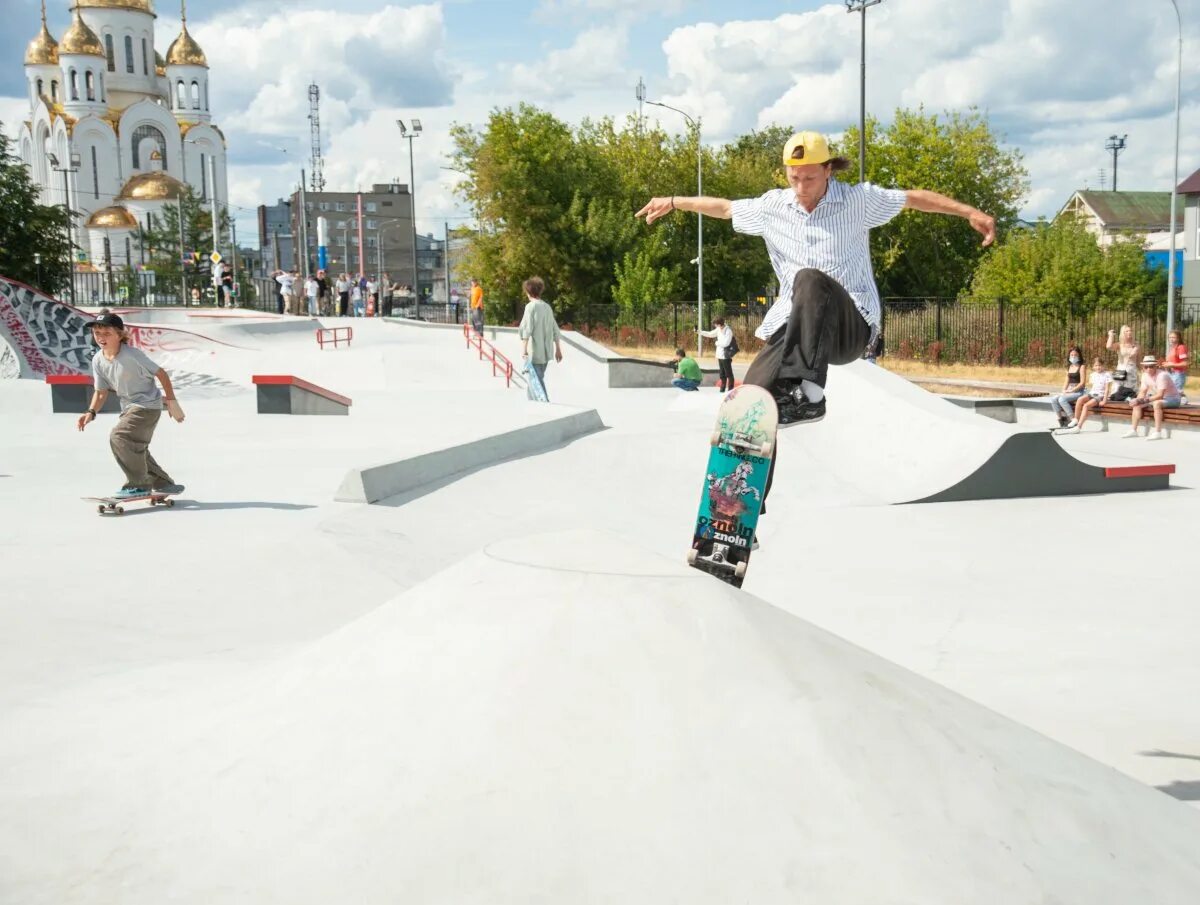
1097 394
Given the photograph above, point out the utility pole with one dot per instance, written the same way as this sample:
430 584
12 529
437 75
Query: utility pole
446 258
1116 145
640 92
860 6
183 298
314 120
303 228
233 293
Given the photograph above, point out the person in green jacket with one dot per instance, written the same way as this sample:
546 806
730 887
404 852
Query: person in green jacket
687 372
540 336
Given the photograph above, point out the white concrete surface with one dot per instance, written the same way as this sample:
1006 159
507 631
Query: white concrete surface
217 678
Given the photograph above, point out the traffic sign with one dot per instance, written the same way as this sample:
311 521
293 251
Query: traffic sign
215 257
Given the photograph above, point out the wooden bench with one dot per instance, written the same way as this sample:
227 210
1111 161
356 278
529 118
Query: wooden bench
285 394
1184 416
72 393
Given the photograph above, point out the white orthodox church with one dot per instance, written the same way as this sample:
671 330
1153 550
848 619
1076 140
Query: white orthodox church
115 129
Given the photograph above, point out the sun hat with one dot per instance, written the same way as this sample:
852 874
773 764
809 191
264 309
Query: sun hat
1149 360
806 147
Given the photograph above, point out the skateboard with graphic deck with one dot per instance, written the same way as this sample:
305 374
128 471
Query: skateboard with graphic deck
111 505
739 460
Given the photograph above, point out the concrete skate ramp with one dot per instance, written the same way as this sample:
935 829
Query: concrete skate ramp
567 719
50 337
887 440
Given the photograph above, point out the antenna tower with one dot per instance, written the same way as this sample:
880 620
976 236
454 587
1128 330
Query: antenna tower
317 180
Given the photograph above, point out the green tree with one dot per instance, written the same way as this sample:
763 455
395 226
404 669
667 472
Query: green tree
161 242
641 286
28 227
1058 268
957 155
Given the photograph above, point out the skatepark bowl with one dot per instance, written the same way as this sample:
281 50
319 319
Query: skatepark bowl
446 648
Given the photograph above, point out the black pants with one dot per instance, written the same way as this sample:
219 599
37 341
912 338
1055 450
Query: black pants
824 328
725 381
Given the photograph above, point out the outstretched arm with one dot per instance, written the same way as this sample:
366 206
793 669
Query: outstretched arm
721 208
934 203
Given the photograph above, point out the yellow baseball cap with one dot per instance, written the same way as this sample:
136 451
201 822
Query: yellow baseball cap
806 147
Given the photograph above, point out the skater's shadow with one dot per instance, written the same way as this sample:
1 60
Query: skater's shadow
193 505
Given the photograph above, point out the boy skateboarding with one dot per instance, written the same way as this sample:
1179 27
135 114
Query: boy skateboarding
129 372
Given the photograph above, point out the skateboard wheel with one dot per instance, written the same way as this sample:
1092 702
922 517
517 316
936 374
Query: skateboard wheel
169 503
767 449
739 571
120 510
100 509
691 557
715 439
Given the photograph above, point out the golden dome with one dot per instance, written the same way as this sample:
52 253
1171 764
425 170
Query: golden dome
184 51
115 217
42 50
140 6
80 39
154 186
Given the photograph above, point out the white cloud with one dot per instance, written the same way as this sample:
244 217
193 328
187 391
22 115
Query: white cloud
1056 79
595 60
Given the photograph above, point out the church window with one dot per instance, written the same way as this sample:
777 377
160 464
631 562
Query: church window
206 96
145 59
74 85
195 95
95 175
180 95
90 81
103 94
129 54
40 87
54 90
141 135
109 54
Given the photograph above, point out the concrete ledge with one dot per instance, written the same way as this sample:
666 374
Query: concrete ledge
72 394
283 394
378 482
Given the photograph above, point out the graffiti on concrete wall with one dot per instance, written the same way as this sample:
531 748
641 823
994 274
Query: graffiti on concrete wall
46 337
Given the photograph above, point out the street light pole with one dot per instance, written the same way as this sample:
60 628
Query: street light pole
695 124
1174 181
74 161
410 134
860 6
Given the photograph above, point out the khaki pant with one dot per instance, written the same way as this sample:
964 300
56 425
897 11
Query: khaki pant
130 443
289 303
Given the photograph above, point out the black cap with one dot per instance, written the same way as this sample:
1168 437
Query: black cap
108 320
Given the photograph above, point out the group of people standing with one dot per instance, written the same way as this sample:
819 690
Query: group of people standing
1159 387
344 296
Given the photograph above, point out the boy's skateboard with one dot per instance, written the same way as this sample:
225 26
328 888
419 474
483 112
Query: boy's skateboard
108 505
739 460
536 389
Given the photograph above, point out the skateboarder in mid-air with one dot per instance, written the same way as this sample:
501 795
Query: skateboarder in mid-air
129 372
816 232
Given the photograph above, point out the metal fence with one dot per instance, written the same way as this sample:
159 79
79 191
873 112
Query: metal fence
145 289
933 329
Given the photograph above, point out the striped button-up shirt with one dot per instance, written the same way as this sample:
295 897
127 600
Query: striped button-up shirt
833 238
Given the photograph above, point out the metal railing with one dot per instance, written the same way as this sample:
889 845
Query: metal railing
488 352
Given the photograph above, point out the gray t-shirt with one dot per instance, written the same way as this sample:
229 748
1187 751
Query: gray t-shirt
130 375
539 327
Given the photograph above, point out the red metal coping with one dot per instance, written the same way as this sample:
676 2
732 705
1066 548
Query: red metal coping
69 379
290 380
1138 471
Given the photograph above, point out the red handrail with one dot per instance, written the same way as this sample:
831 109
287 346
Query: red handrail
334 335
499 362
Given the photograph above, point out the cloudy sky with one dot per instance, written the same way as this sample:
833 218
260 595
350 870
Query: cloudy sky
1055 77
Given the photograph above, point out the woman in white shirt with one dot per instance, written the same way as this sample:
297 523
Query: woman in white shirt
724 337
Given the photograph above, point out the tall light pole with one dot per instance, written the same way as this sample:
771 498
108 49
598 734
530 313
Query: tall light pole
1116 144
695 124
860 6
74 160
410 134
1174 180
